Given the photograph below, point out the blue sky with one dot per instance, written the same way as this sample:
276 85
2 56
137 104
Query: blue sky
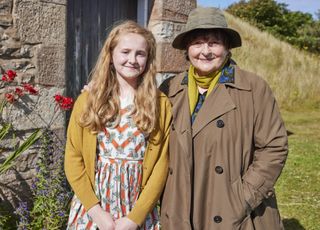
310 6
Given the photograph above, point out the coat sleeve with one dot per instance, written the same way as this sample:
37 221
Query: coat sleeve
270 147
156 182
74 162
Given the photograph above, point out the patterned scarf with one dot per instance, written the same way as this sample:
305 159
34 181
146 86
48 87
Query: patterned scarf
206 82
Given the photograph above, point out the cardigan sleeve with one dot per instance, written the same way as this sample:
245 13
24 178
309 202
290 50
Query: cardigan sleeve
74 164
270 144
153 188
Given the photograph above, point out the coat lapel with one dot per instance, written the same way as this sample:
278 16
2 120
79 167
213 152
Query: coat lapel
218 103
178 94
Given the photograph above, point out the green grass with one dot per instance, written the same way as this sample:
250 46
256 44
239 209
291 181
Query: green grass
298 188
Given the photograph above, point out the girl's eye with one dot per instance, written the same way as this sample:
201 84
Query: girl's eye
125 51
141 54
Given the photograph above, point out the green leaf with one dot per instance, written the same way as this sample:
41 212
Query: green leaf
9 162
4 130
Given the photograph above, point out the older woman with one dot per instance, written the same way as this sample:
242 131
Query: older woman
228 143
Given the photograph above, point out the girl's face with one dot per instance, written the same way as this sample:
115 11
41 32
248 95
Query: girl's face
206 53
130 56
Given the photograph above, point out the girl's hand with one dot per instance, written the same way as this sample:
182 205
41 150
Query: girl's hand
102 218
125 223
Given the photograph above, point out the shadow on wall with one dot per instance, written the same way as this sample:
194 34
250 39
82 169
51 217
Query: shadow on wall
20 191
292 224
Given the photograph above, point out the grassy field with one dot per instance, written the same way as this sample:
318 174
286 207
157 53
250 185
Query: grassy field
298 188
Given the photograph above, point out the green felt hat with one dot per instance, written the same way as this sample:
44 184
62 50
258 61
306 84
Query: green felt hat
206 18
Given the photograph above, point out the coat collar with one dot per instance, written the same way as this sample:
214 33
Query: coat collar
231 75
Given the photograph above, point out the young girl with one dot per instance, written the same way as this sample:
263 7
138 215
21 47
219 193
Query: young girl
117 142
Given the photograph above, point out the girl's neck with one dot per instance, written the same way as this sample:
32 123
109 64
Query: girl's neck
127 87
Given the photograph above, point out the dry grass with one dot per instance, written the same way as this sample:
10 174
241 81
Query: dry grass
294 75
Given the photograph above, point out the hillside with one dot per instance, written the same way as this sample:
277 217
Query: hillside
293 75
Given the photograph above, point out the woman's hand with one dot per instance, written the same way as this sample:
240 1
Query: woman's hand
86 88
102 218
125 223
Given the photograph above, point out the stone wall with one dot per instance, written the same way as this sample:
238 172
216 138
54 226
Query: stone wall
32 43
168 18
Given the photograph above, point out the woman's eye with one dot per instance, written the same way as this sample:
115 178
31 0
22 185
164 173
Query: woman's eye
197 43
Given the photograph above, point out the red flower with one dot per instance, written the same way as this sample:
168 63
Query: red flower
10 97
4 78
65 103
11 74
30 89
18 91
58 98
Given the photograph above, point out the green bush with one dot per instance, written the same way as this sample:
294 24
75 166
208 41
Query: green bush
296 28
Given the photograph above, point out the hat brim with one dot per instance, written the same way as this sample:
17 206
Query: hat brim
179 42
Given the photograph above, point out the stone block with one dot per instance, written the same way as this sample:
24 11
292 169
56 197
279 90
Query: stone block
15 64
17 187
172 10
51 65
170 59
165 31
41 22
5 7
5 20
11 32
8 47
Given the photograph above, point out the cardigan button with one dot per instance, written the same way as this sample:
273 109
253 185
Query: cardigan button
220 123
170 171
172 127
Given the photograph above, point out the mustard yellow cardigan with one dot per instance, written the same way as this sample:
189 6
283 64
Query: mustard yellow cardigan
80 160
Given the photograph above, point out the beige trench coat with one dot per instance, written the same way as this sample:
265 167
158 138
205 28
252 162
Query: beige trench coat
228 160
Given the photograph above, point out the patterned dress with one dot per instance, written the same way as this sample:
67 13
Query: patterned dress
118 173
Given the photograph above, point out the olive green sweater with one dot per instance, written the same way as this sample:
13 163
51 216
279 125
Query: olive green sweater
80 160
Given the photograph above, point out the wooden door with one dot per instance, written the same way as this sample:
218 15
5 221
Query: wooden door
87 23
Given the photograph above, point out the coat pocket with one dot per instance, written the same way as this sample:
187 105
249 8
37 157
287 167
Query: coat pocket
237 200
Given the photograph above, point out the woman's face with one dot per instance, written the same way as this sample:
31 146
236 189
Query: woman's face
130 56
206 53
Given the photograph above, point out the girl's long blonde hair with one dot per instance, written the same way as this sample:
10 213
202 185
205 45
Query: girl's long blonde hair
103 103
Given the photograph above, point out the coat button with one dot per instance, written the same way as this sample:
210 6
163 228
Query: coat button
217 219
172 127
219 170
270 193
170 171
220 123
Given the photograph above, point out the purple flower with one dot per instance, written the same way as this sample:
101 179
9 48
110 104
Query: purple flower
24 215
